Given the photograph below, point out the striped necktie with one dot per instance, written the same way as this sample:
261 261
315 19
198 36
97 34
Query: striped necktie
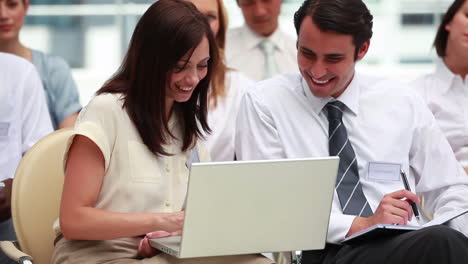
348 187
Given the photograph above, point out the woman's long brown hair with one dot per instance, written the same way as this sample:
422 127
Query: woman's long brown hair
167 31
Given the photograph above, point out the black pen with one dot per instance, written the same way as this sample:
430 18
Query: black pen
413 204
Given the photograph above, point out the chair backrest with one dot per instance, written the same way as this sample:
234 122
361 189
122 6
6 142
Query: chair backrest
37 189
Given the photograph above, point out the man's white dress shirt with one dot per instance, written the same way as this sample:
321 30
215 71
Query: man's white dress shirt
243 52
222 119
386 122
24 118
446 94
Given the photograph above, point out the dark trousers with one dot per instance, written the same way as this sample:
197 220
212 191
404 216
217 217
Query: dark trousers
6 233
436 244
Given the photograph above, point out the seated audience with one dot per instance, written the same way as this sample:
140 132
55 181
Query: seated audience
61 91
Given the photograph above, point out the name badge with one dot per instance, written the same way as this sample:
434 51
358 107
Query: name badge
384 171
194 158
4 127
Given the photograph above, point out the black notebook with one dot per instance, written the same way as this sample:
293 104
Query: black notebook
382 230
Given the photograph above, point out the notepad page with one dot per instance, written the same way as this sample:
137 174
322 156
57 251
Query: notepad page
446 217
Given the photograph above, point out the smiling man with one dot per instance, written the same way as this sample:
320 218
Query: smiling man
259 48
376 126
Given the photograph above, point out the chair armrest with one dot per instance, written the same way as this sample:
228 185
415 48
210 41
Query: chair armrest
14 253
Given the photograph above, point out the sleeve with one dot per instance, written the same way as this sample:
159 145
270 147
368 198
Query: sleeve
98 122
440 179
339 223
24 118
256 135
35 118
66 100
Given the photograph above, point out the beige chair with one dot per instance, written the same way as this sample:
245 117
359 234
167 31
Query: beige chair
37 188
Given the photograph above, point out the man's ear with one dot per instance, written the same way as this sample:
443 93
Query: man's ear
363 50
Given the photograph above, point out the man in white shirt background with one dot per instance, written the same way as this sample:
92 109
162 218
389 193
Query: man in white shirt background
24 119
329 109
260 48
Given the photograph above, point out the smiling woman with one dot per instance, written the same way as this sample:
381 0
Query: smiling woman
126 175
187 74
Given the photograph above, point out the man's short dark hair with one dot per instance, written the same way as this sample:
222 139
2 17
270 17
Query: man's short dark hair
348 17
440 41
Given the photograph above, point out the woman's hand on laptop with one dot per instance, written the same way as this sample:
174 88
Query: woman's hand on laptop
145 250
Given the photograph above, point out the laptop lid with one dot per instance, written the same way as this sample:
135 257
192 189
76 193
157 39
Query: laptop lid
246 207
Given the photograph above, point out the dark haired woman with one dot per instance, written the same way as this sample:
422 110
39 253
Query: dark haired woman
446 90
126 172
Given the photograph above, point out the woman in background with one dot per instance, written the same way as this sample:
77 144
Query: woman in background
226 89
61 91
446 90
126 175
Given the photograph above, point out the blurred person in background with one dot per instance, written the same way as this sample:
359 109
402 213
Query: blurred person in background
127 167
226 89
24 120
61 91
446 90
260 48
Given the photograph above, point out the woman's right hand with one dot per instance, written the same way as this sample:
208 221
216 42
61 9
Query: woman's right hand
145 250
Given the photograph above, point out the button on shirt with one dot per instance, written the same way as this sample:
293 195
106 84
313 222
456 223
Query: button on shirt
24 118
243 52
446 94
385 121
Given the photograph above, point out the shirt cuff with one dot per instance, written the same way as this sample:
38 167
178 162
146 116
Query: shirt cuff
338 227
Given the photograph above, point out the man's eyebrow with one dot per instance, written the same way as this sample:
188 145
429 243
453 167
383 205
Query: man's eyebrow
335 55
329 55
306 50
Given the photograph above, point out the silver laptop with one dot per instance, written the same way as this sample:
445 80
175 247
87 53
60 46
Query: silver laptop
244 207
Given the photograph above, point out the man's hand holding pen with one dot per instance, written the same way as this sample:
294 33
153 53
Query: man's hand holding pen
395 209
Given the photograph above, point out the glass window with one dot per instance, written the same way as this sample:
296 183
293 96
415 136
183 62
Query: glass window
417 19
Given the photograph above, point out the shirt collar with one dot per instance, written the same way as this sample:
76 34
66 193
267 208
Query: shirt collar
252 39
445 74
350 97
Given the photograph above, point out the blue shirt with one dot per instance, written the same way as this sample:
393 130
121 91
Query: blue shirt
60 88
